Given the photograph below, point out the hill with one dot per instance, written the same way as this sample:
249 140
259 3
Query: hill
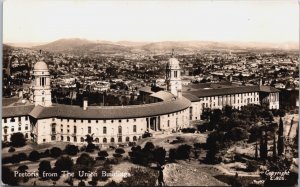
83 46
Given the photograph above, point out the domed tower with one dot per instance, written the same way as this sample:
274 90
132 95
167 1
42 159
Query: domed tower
41 90
173 77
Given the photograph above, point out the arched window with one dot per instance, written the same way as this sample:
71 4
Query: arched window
104 140
75 139
134 128
127 139
134 138
68 138
120 139
120 129
62 138
81 139
97 140
112 140
104 130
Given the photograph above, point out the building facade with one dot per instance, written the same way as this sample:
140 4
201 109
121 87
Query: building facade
164 109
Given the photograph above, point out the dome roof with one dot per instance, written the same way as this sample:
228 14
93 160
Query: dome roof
173 62
40 66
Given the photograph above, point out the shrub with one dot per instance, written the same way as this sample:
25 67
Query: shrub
34 156
117 155
131 144
46 153
140 177
197 145
55 152
85 160
17 139
22 156
183 152
64 163
102 154
6 160
90 147
44 166
113 161
71 150
15 159
81 183
8 177
172 155
4 144
252 165
237 134
188 130
120 150
105 168
159 155
11 149
22 168
149 146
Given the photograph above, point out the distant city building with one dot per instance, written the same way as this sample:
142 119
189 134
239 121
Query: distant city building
167 108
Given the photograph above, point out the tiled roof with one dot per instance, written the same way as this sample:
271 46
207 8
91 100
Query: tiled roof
111 112
191 97
146 89
9 101
163 95
232 90
14 111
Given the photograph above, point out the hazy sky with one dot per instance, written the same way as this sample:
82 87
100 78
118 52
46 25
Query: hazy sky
49 20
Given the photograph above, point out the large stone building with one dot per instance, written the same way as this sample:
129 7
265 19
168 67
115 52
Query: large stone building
164 109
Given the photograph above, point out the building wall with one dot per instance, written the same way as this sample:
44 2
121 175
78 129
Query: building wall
14 125
234 100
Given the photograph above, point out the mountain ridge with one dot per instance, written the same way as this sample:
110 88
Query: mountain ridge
79 45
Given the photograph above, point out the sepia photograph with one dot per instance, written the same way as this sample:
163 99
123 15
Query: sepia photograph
150 93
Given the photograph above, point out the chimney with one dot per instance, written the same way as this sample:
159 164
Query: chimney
85 104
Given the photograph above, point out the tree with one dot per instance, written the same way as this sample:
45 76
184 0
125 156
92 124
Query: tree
90 147
85 160
263 146
34 156
64 163
274 148
102 154
55 152
17 139
102 172
280 143
183 152
140 177
8 177
44 167
71 150
120 151
148 147
159 154
172 155
256 150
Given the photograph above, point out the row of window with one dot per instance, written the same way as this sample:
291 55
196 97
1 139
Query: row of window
14 120
89 121
13 128
234 95
112 140
175 113
5 137
89 129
